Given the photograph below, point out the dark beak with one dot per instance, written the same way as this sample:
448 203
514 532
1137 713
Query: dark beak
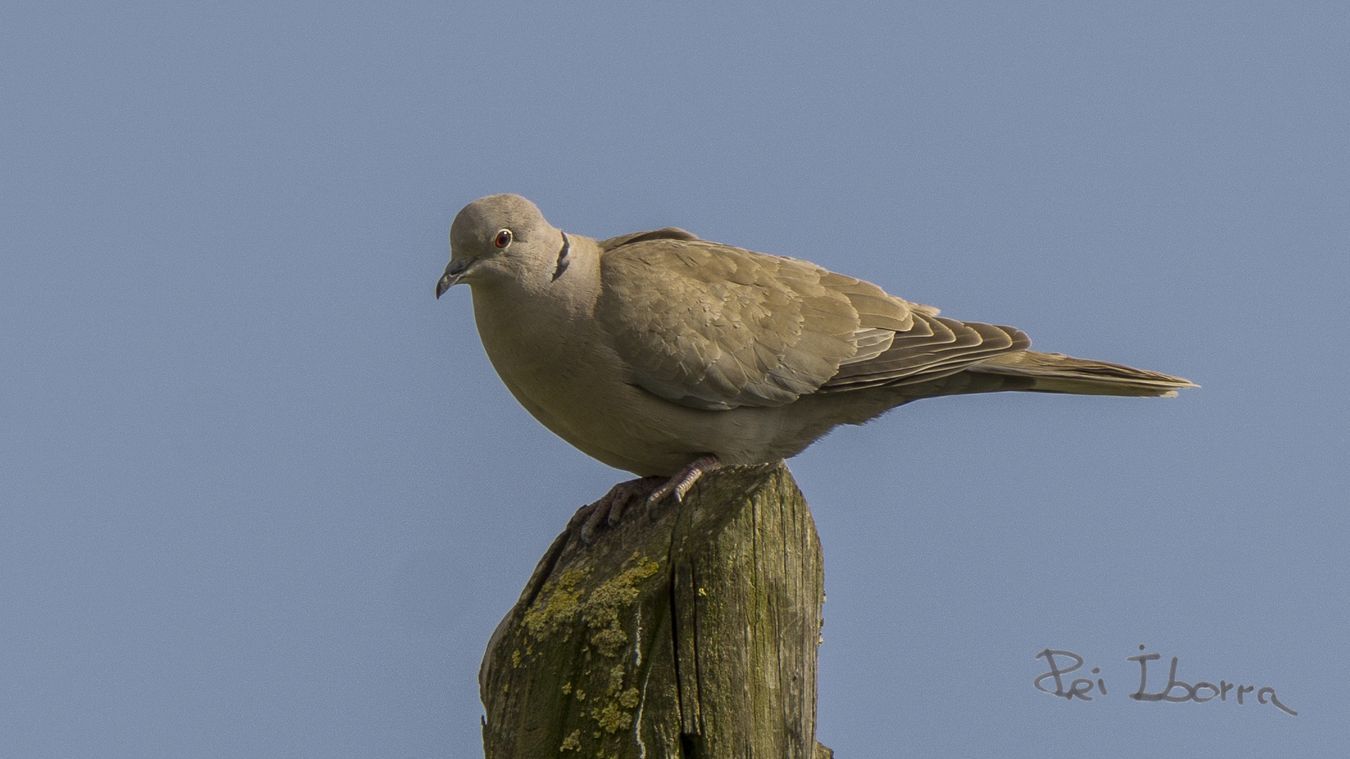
452 275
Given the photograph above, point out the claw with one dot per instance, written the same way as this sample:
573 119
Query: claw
620 500
680 484
610 509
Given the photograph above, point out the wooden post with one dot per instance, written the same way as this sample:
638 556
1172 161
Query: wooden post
690 632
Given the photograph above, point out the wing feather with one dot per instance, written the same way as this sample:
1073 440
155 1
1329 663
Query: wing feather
716 327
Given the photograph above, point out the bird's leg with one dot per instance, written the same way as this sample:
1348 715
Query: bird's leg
620 499
684 479
609 510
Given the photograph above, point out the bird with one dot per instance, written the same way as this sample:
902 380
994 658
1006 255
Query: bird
668 356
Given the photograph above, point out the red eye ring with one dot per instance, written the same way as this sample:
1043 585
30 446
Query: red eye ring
503 238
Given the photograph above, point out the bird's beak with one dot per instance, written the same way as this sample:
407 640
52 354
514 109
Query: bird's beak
453 273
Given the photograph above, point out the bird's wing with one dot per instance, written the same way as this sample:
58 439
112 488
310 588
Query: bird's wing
716 327
664 233
931 348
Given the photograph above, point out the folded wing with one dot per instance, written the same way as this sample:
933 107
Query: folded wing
715 327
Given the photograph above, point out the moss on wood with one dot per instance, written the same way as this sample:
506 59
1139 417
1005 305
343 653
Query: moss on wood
689 632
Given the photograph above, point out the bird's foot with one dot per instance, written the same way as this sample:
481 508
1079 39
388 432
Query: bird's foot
609 510
684 479
649 491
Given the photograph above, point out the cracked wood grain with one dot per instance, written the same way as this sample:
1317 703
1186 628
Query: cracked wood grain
689 632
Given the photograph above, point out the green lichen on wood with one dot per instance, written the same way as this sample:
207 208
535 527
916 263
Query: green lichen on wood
616 674
556 605
617 714
601 610
561 600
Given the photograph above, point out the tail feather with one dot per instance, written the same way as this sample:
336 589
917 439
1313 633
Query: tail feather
1058 373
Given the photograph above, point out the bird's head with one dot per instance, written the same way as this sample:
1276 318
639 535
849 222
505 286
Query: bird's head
503 238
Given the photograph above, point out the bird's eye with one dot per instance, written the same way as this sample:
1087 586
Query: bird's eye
503 238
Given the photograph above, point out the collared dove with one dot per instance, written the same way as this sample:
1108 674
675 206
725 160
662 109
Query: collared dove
666 355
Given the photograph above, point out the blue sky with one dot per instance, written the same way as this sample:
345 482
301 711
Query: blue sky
262 495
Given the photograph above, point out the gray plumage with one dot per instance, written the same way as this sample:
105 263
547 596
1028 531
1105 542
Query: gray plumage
654 349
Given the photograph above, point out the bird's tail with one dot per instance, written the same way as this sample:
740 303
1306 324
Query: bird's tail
1058 373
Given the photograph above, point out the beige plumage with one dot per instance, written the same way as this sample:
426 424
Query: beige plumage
657 350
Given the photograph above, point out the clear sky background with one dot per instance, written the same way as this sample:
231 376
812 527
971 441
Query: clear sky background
262 496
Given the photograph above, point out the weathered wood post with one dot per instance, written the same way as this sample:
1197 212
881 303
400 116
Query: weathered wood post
691 633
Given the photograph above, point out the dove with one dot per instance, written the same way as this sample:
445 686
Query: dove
668 356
